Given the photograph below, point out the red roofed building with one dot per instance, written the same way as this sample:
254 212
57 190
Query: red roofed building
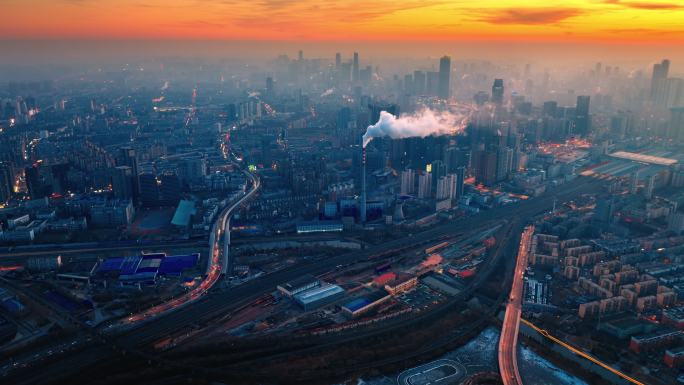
432 260
466 273
382 280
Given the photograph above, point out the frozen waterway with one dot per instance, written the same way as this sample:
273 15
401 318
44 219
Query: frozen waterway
479 355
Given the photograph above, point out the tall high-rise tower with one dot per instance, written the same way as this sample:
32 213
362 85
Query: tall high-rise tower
660 72
6 181
122 182
444 86
582 118
355 67
127 157
498 91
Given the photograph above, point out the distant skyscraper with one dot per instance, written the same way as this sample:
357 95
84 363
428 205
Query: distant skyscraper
582 118
605 208
444 77
408 84
451 158
344 118
460 182
122 182
301 55
439 169
549 109
669 92
6 181
447 187
425 185
419 82
338 61
484 163
408 182
676 130
127 157
366 74
432 83
660 72
504 163
355 67
498 91
269 85
36 181
170 190
443 188
149 190
452 185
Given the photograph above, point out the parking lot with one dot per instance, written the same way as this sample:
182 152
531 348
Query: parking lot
421 298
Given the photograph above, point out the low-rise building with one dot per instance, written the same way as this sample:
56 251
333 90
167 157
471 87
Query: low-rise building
365 303
402 283
674 317
112 213
319 227
674 358
319 296
665 337
296 286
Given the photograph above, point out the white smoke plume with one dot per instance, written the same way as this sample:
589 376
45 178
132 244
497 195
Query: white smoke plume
420 124
327 92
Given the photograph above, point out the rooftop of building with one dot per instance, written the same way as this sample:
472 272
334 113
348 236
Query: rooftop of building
401 278
184 212
384 278
644 158
317 293
675 313
660 333
677 352
299 282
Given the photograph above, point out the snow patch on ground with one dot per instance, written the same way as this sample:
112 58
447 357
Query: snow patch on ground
534 370
480 355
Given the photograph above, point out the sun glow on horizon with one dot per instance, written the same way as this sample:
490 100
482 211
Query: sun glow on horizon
435 20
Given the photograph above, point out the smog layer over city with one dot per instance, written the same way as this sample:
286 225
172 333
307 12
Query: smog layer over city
342 192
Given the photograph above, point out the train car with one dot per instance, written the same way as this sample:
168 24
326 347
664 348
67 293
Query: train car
436 247
382 268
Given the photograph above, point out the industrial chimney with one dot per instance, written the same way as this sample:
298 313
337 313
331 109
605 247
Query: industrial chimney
363 185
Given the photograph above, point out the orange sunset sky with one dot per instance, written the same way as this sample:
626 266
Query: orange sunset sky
641 21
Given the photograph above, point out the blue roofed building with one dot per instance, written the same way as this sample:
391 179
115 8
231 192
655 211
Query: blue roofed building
365 303
146 268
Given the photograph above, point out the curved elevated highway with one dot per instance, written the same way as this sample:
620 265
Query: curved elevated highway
508 342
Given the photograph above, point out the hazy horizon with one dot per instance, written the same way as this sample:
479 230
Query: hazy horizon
22 55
